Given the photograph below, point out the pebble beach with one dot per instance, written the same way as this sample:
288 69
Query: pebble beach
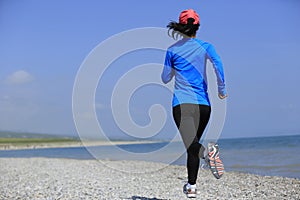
53 179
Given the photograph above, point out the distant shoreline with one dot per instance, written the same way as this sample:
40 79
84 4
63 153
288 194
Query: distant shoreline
63 144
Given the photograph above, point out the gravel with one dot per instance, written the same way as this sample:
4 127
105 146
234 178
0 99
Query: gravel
53 179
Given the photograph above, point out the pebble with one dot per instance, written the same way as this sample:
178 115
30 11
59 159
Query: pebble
64 179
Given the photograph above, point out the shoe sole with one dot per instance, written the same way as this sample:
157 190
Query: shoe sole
191 195
215 164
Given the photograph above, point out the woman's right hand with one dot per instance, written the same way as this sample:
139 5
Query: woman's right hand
223 96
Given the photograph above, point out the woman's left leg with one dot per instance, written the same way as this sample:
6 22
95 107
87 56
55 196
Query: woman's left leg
201 119
191 120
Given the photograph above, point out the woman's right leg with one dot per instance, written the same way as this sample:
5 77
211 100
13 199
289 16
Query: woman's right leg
203 119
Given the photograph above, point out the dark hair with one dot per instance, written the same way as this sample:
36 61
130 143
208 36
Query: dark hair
184 30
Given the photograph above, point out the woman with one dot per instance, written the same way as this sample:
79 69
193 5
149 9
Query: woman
186 62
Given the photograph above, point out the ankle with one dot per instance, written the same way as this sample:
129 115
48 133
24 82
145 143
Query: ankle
192 186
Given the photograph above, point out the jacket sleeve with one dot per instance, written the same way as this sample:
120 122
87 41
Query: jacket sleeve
168 71
218 67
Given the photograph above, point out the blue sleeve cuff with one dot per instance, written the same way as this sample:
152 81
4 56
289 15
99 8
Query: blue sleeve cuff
222 90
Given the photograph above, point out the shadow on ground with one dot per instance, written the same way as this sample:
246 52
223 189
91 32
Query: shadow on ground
144 198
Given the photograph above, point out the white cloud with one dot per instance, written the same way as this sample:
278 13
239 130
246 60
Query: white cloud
19 77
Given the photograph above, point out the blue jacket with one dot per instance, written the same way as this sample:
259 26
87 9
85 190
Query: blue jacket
186 60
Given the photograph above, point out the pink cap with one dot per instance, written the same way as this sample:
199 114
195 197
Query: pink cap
190 13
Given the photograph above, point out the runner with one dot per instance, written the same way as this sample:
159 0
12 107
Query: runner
186 62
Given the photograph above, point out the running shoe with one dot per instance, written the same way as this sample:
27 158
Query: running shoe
213 160
190 190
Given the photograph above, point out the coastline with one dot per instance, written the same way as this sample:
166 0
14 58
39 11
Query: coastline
244 161
41 145
44 178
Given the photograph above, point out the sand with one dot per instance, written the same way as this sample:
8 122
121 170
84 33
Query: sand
44 178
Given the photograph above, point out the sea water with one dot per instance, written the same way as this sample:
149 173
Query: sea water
269 156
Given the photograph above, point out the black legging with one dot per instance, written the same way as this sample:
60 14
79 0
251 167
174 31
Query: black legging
191 120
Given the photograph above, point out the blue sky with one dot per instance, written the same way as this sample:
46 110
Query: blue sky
43 43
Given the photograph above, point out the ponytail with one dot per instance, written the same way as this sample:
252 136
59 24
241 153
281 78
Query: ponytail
184 30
